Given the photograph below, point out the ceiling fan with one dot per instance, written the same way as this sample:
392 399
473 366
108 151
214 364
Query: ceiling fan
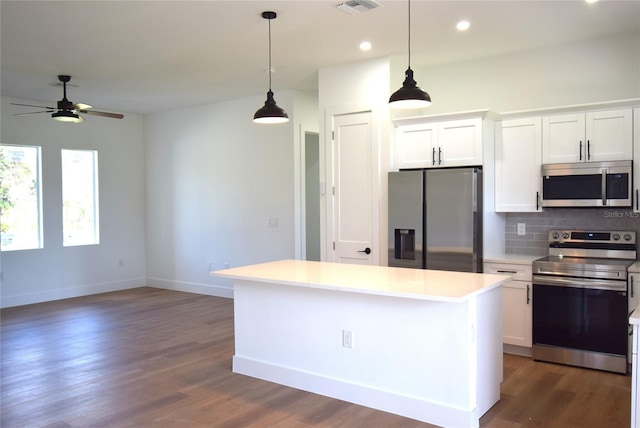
66 111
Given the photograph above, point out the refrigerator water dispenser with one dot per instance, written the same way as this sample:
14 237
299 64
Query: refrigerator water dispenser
405 244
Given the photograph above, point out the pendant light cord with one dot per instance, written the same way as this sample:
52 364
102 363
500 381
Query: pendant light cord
270 69
409 38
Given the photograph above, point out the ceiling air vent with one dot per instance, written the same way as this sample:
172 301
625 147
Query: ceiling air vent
353 7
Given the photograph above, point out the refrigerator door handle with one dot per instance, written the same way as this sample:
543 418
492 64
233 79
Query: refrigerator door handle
474 192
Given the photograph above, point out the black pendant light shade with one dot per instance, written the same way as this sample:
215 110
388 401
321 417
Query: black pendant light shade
270 112
409 95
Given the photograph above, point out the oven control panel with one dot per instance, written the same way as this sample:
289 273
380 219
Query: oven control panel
601 237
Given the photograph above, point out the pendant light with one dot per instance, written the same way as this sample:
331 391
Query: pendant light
410 95
270 112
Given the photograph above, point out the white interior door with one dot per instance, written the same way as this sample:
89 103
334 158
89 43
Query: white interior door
353 216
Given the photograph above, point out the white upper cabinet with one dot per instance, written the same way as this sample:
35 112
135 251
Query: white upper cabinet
518 160
416 145
588 137
439 144
563 138
460 142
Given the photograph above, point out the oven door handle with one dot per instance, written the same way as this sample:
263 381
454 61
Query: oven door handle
598 284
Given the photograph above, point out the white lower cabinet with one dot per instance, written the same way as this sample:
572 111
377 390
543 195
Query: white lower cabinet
634 380
633 296
634 299
516 303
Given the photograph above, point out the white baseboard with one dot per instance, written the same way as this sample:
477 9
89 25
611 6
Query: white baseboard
191 287
364 395
88 289
517 350
69 292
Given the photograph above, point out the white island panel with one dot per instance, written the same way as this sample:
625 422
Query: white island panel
432 358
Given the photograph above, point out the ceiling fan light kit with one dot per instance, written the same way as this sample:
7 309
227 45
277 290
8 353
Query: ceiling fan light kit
67 116
270 113
65 110
409 96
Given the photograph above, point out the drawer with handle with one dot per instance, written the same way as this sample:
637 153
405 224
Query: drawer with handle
519 272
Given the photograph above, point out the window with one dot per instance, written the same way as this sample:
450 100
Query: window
21 198
80 224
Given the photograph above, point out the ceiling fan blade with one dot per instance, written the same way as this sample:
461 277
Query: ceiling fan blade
34 112
29 105
82 106
102 113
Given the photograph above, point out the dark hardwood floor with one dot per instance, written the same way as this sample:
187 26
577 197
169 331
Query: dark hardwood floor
156 358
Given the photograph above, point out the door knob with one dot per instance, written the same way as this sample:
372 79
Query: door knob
366 251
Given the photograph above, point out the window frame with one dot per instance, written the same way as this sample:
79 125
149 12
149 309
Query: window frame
39 234
95 202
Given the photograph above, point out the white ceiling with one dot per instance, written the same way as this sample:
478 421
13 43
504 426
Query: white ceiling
150 56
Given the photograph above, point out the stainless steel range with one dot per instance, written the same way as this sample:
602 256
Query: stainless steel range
580 299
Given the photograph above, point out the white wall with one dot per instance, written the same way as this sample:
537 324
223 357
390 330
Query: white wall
55 271
215 180
305 120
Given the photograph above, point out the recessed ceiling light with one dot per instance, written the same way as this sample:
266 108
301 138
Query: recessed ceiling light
591 1
463 25
365 46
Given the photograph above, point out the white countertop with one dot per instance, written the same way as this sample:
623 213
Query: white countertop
634 318
520 259
422 284
635 268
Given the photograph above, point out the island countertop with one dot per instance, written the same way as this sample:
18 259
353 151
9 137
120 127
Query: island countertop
422 284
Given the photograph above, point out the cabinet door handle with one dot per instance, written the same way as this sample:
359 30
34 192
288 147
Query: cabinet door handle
528 298
588 150
507 271
433 157
439 155
537 201
580 149
637 208
631 286
366 251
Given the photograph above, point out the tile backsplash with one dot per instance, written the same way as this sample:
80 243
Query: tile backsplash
537 225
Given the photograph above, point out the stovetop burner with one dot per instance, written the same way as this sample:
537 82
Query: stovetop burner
587 261
582 267
588 254
618 244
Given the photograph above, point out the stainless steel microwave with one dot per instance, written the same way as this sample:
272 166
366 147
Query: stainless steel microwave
587 184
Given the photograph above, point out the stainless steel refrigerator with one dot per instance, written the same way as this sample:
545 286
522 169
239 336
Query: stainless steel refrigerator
435 219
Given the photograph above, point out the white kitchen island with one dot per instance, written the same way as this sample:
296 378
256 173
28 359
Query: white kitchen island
424 344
